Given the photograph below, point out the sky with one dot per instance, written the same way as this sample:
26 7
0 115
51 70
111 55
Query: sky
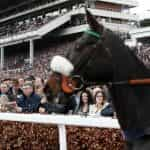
142 9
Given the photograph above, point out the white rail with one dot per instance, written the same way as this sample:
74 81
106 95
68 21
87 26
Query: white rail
61 121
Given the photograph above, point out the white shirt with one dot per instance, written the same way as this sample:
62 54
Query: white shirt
93 109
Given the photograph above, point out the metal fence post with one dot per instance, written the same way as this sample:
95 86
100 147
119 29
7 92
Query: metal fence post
62 137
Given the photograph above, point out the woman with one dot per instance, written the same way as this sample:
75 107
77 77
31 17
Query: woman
100 104
95 90
85 102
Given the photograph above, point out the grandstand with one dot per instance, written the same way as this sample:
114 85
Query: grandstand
32 31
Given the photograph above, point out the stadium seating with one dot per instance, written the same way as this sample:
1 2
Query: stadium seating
17 64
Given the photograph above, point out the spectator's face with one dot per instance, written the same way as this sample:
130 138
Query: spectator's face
21 82
39 89
10 83
28 90
16 86
99 98
84 97
4 88
38 82
7 82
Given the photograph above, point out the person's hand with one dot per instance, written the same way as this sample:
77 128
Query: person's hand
42 110
115 115
18 109
3 108
43 100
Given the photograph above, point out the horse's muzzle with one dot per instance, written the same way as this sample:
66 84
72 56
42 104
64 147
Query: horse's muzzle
72 84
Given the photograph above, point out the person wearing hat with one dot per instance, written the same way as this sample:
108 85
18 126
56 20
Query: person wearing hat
29 101
58 100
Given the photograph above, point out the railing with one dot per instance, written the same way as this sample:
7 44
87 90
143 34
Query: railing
140 32
61 121
112 14
33 10
133 3
80 28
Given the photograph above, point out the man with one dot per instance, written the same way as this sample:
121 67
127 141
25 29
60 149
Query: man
29 101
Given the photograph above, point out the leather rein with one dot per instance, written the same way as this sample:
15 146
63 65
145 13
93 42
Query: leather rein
145 81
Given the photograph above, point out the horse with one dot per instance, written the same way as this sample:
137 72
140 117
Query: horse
58 101
101 56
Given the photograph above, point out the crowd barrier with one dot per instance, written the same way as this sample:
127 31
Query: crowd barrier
62 121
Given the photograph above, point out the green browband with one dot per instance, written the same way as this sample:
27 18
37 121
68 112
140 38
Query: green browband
93 33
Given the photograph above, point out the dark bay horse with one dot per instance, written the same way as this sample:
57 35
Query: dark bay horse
101 55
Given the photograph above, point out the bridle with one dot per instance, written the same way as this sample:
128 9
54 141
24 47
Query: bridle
84 83
142 81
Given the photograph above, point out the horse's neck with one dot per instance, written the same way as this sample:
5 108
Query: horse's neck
131 102
126 64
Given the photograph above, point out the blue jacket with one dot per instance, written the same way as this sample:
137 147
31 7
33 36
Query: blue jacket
29 104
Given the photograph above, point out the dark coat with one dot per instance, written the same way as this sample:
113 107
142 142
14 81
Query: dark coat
66 103
108 111
13 96
29 104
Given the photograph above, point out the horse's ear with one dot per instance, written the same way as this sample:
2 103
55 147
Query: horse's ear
93 23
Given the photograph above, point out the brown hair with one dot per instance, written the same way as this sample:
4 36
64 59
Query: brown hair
90 100
103 93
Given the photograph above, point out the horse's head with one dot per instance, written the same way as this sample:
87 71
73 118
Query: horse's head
101 55
89 54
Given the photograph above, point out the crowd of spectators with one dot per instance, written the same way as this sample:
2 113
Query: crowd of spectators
35 22
23 26
95 101
27 95
17 65
143 53
15 27
19 95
